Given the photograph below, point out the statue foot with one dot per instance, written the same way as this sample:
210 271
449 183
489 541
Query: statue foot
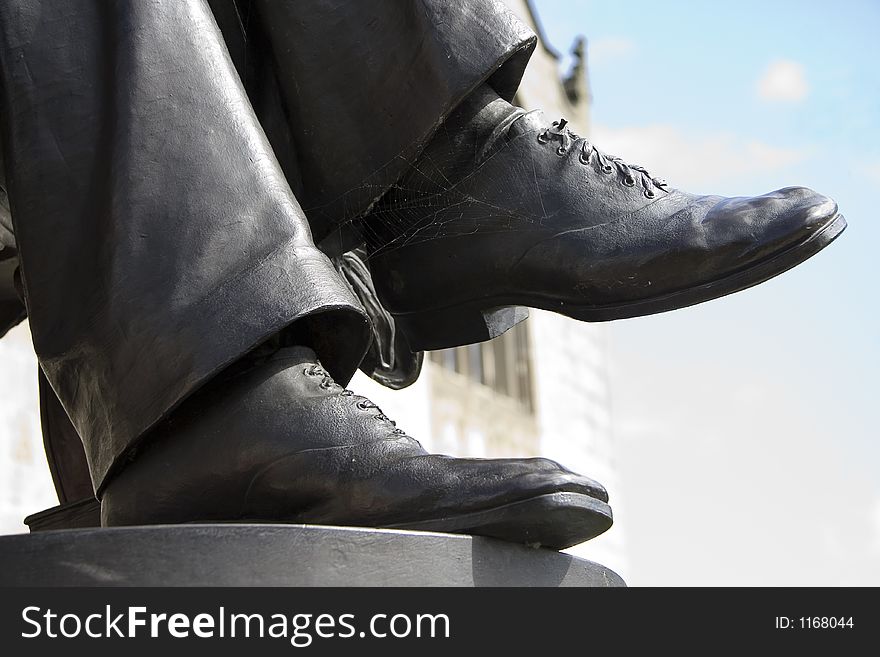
282 442
534 215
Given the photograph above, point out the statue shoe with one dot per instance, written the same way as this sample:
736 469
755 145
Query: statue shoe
281 442
540 217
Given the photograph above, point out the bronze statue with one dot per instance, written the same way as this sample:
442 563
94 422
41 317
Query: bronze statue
180 175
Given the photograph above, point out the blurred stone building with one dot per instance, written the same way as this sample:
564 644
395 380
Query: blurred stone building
540 389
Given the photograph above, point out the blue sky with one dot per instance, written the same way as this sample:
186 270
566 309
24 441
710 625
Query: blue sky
746 427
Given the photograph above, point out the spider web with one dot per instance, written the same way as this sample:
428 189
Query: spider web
446 192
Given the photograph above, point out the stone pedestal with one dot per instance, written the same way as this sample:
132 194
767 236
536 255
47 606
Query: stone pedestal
283 555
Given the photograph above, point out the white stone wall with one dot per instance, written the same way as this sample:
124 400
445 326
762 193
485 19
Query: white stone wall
573 410
25 482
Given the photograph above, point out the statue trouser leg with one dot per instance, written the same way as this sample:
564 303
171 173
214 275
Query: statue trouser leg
367 84
169 270
158 238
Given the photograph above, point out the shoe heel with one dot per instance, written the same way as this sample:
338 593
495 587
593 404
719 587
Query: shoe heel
453 327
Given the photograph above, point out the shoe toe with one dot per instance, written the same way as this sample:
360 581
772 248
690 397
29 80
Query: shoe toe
798 214
574 482
802 209
535 476
751 229
812 209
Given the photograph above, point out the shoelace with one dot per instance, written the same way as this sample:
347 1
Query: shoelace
607 163
327 383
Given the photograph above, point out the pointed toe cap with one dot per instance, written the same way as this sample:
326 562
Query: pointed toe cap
810 209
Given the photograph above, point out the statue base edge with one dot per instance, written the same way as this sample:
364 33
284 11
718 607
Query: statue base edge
283 555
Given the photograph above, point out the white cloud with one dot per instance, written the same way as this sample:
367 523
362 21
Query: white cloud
784 80
607 49
689 161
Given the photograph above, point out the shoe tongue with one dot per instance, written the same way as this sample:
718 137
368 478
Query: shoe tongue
516 124
298 354
527 123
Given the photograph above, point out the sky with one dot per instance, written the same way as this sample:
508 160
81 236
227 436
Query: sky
746 428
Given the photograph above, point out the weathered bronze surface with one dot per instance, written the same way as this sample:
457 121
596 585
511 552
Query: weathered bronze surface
179 176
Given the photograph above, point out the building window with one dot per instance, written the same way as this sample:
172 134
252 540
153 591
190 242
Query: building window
502 364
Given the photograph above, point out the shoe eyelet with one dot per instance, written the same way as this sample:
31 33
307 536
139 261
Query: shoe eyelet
629 182
583 159
561 151
362 404
607 168
543 138
649 193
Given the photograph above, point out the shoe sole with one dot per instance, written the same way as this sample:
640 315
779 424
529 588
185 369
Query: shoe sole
487 318
555 520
